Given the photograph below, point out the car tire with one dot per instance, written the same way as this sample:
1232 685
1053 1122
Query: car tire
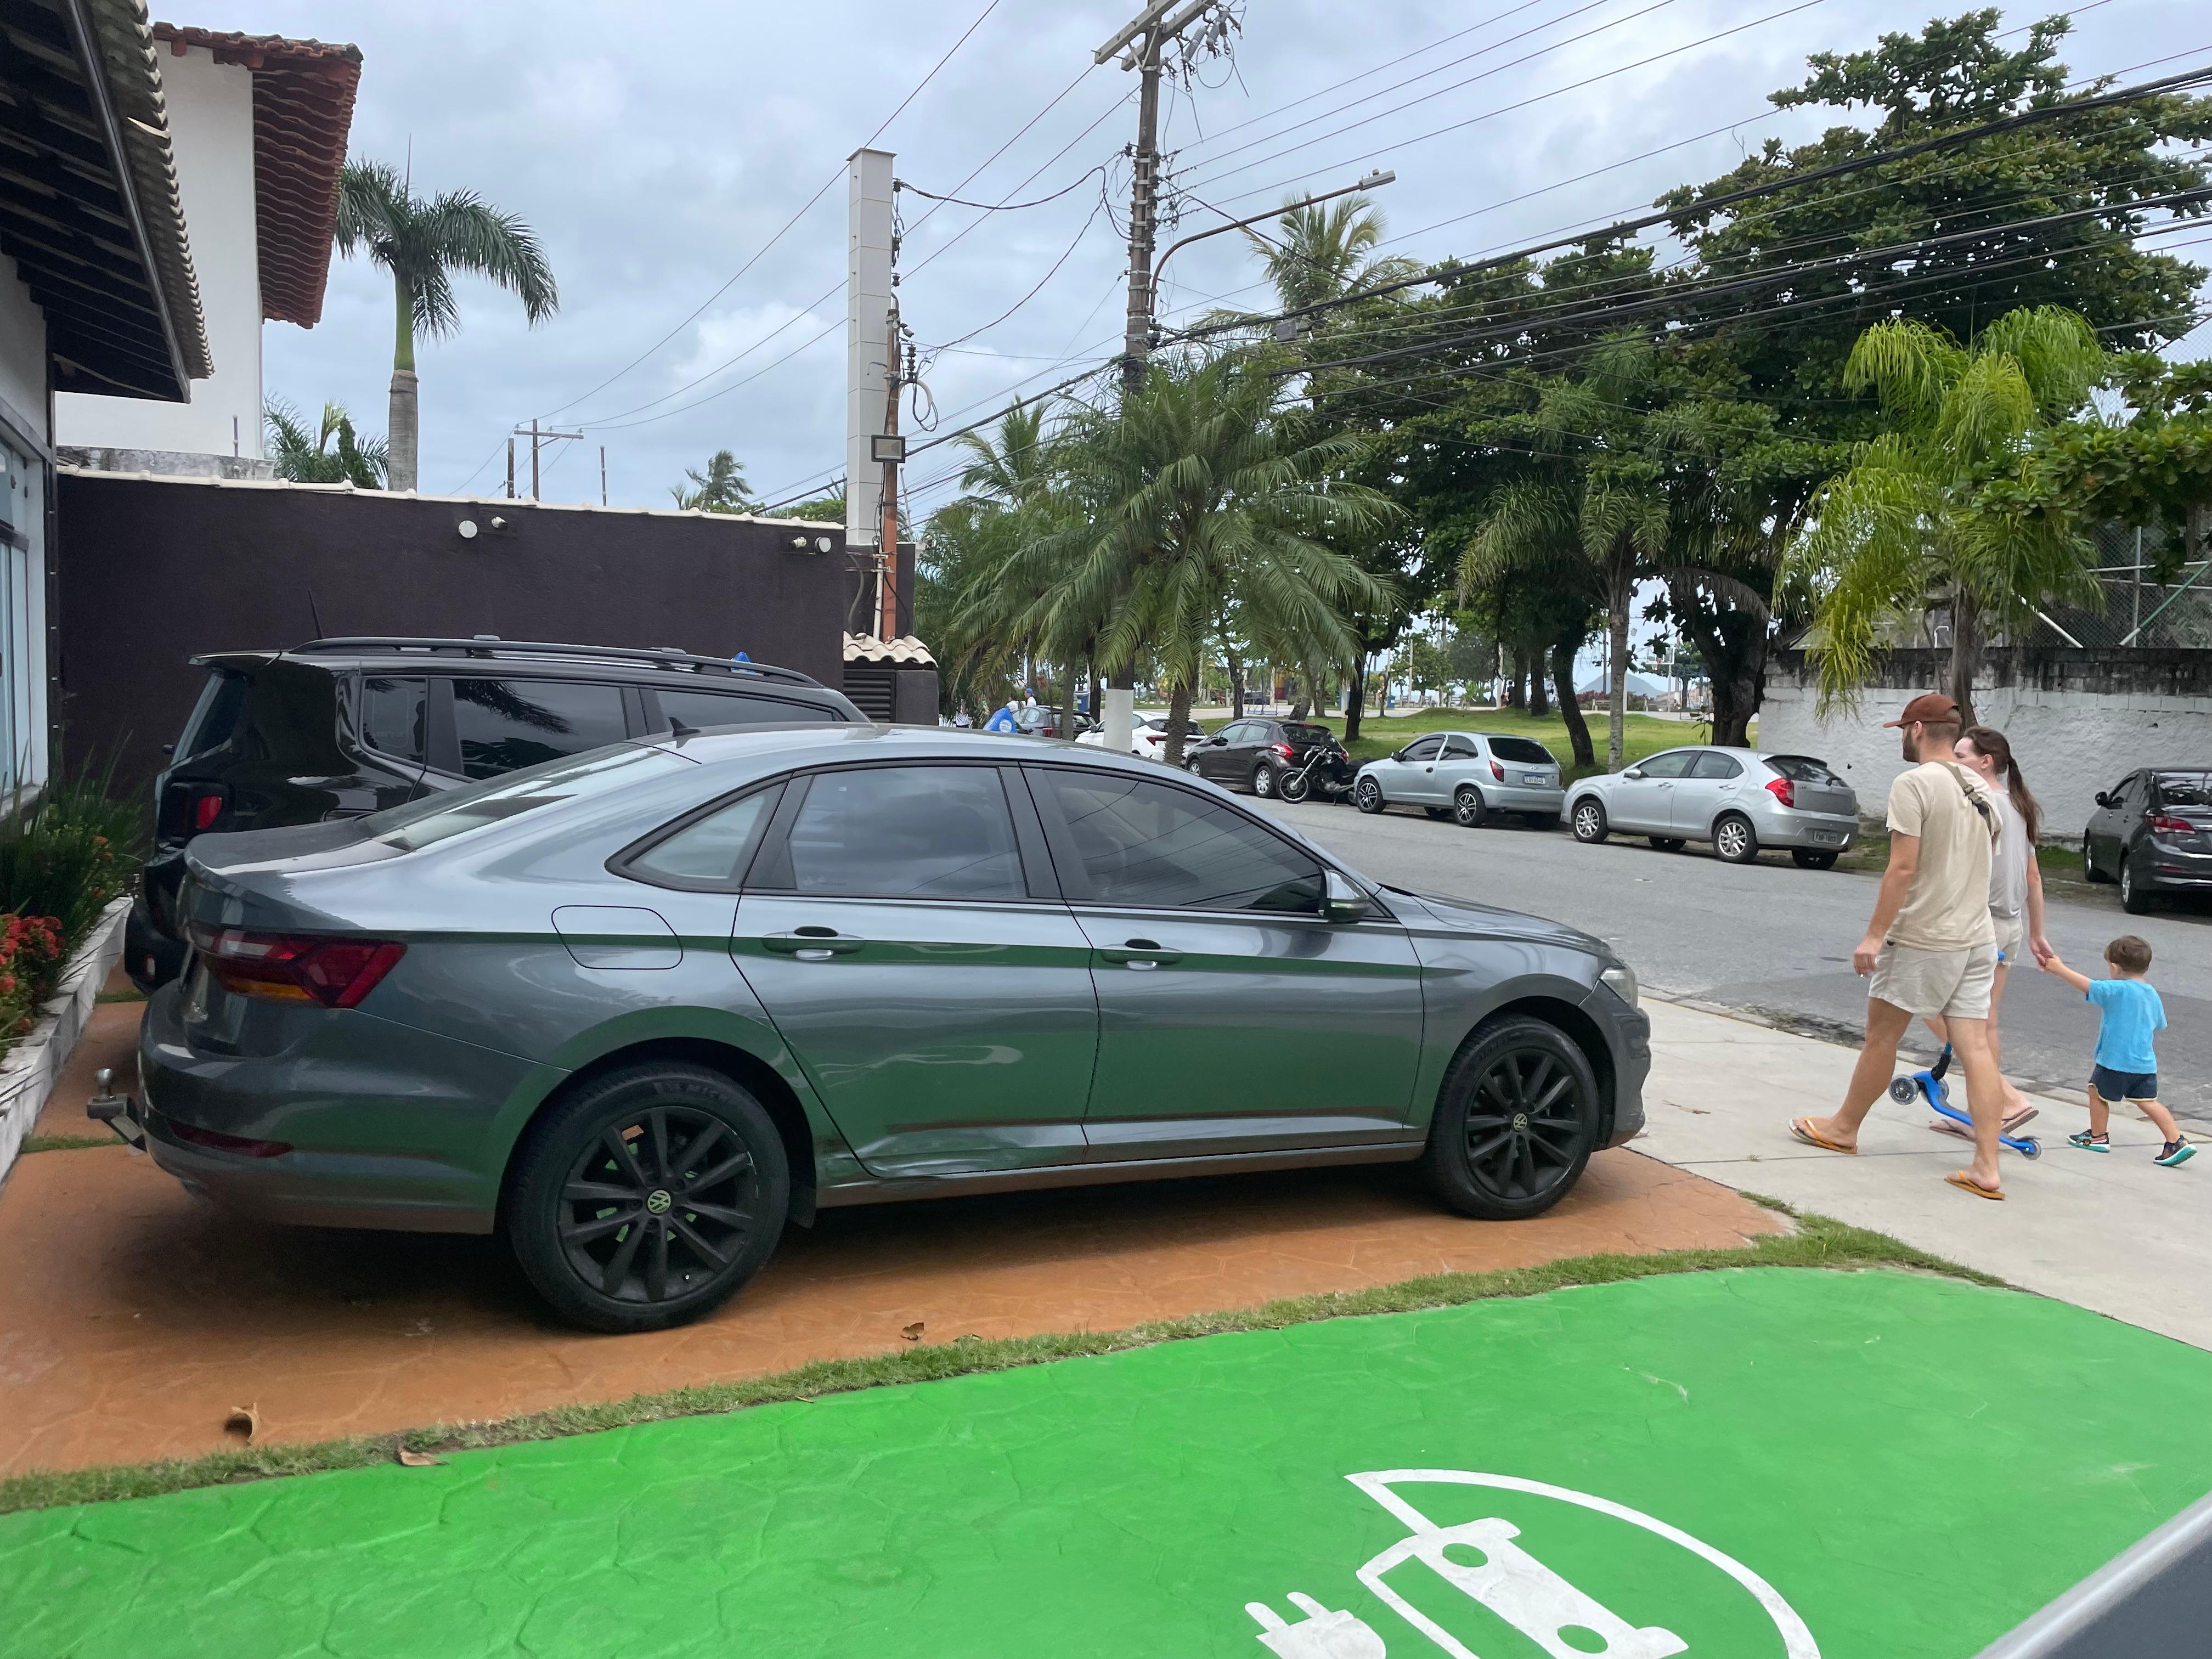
1367 795
2135 895
1190 765
1469 811
1589 821
1667 843
1734 841
2090 873
647 1129
1812 858
1515 1122
1263 781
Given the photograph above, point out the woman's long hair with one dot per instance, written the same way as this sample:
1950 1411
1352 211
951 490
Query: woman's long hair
1987 740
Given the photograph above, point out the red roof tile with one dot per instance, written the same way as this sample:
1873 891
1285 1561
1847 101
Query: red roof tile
303 93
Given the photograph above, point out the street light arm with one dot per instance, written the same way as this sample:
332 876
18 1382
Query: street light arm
1372 181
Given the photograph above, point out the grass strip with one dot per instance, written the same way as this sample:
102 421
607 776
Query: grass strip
66 1143
132 995
1817 1241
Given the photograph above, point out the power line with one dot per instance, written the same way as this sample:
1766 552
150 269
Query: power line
994 207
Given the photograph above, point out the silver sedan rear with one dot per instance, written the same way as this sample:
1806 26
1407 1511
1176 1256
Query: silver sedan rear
1741 801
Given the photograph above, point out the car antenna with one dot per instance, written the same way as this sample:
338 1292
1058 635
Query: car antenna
678 731
313 615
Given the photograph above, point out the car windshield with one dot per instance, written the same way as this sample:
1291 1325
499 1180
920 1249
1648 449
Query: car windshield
1302 735
2189 789
423 823
1521 751
1803 768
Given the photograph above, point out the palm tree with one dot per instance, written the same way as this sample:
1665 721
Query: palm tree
1325 251
1901 533
1200 506
422 243
355 459
721 489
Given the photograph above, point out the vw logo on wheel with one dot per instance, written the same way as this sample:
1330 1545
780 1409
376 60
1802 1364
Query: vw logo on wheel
1482 1559
659 1202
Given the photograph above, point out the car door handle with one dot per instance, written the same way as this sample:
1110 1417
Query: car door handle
1141 954
811 947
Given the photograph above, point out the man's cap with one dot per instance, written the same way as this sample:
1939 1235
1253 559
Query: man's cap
1929 708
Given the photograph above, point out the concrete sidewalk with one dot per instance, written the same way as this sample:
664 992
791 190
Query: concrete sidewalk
2114 1233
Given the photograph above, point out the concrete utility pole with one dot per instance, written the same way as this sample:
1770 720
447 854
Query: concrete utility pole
871 375
538 436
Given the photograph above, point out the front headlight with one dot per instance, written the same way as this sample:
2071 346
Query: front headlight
1620 980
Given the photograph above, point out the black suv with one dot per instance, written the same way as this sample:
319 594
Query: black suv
339 728
1253 754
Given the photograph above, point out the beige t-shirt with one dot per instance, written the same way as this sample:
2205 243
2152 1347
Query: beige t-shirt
1948 908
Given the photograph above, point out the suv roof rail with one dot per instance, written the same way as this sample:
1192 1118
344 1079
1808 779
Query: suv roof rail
490 644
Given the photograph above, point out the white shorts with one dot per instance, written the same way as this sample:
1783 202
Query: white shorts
2012 937
1952 983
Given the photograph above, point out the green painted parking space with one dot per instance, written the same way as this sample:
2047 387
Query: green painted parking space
1763 1464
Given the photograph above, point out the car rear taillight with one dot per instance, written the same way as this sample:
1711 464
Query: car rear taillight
1285 750
1783 790
207 807
1497 771
337 973
2162 824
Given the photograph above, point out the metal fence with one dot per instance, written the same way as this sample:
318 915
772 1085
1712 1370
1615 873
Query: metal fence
2153 597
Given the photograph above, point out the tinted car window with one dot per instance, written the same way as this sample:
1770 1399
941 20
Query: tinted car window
455 811
215 718
1461 748
1676 765
1422 749
1137 842
906 832
505 724
700 709
1303 735
1521 751
1803 768
2185 789
1714 764
708 850
391 716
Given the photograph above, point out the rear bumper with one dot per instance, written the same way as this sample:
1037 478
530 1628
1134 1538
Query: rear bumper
1826 832
1524 798
389 1127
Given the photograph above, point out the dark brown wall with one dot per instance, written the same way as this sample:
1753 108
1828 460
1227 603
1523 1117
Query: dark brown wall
155 572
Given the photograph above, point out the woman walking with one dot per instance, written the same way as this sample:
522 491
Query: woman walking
2015 884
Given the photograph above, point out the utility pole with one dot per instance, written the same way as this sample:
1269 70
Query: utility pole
603 475
538 437
888 453
510 466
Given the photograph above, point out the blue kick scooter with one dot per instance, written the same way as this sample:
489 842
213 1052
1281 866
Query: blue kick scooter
1929 1085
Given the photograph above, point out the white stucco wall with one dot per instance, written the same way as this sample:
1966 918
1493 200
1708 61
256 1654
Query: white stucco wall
212 123
22 350
2070 745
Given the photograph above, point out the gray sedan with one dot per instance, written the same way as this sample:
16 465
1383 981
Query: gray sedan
639 1008
1742 800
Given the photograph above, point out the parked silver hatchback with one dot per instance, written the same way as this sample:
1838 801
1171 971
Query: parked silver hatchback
1466 776
637 1009
1741 801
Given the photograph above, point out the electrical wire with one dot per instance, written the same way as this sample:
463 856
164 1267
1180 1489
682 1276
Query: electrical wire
996 207
1065 254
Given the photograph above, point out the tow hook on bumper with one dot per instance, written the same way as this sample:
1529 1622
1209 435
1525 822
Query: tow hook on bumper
119 1112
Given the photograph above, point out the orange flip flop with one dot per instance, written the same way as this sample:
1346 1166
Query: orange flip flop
1802 1129
1966 1183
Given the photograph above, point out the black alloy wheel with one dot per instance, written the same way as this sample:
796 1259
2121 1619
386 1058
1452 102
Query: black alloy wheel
1667 843
1589 821
1263 781
1812 858
1516 1120
648 1198
1367 795
2090 873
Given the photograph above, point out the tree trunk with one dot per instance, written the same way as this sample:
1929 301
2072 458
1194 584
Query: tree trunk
1965 652
1570 710
1178 718
1616 712
1734 643
402 428
1355 696
1516 695
1235 681
1540 699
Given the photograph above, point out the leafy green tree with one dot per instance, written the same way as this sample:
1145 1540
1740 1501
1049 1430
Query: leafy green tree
721 489
334 454
422 242
1905 530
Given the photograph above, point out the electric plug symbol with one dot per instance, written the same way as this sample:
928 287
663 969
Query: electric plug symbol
1321 1635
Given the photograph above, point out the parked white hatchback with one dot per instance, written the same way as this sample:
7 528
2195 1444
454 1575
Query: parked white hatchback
1466 776
1147 737
1741 801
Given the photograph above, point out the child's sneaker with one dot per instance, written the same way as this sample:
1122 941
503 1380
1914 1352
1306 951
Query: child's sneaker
2089 1143
2177 1151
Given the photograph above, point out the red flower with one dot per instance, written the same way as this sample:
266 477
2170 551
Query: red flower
7 984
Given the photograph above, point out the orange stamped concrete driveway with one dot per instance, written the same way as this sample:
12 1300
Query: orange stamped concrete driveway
133 1318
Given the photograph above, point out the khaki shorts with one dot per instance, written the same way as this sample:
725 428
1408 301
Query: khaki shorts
1947 983
2012 937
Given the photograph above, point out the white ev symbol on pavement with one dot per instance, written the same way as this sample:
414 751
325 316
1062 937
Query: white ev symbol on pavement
1510 1582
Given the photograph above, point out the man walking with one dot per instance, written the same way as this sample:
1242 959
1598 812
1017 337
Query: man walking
1930 949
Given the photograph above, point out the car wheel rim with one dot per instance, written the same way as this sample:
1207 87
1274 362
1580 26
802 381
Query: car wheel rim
1368 793
1470 807
1586 821
1526 1124
1263 781
1731 840
658 1207
2127 882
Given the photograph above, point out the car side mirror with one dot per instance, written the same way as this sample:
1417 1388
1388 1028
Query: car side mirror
1342 901
1633 772
2103 798
1216 742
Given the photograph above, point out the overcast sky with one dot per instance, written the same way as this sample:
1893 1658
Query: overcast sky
658 145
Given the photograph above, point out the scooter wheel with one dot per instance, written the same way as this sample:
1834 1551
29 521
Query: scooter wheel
2030 1149
1901 1091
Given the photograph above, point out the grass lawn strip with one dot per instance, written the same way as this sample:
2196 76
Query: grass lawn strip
1817 1241
1878 1451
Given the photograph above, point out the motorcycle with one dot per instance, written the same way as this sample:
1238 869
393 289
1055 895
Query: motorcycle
1326 770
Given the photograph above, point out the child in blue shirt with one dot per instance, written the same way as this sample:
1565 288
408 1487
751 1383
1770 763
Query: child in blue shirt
2126 1066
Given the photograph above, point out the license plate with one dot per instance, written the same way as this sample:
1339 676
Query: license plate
1825 834
1533 777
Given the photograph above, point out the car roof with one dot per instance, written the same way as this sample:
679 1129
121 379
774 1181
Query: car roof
667 666
776 748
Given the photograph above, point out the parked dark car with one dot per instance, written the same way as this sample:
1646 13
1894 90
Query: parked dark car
1253 754
636 1010
338 728
2152 833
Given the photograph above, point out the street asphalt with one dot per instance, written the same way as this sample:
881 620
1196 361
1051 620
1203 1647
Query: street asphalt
1775 939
